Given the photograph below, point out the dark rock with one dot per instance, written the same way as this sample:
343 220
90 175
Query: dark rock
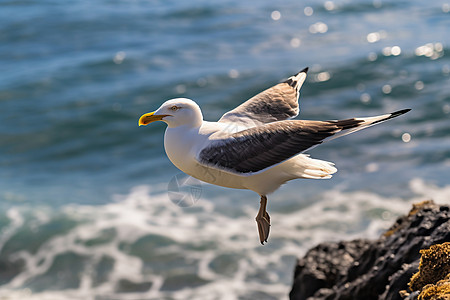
325 265
365 269
400 278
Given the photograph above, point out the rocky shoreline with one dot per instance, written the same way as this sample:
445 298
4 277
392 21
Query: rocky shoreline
383 268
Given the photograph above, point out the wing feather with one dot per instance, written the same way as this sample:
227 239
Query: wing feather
257 148
277 103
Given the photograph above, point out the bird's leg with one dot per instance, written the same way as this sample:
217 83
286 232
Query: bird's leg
263 221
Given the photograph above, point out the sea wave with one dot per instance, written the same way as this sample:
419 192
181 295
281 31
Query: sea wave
141 245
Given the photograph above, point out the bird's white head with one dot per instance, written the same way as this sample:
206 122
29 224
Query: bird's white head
175 112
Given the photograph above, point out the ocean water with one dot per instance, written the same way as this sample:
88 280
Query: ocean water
88 208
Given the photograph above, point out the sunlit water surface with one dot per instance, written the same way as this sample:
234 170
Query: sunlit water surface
85 209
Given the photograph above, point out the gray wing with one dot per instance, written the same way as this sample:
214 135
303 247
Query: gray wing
258 148
277 103
261 147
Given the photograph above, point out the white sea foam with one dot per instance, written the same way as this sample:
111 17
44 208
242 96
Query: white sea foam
218 255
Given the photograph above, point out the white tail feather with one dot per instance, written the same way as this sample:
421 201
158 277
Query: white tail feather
305 167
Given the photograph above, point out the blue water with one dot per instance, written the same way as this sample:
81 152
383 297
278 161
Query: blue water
83 190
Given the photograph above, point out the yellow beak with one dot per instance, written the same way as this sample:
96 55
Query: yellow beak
146 119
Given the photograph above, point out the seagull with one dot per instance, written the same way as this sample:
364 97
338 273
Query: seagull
256 146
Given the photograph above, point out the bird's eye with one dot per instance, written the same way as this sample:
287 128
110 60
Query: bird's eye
174 108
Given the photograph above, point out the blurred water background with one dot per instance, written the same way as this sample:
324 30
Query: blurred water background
85 212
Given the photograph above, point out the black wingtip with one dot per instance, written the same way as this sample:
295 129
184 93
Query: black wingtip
399 112
305 70
392 115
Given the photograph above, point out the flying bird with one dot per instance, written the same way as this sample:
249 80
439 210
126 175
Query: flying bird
256 146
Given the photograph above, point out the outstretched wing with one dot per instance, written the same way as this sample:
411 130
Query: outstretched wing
277 103
261 147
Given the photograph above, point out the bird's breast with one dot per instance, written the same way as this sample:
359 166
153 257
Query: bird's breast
179 146
182 146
